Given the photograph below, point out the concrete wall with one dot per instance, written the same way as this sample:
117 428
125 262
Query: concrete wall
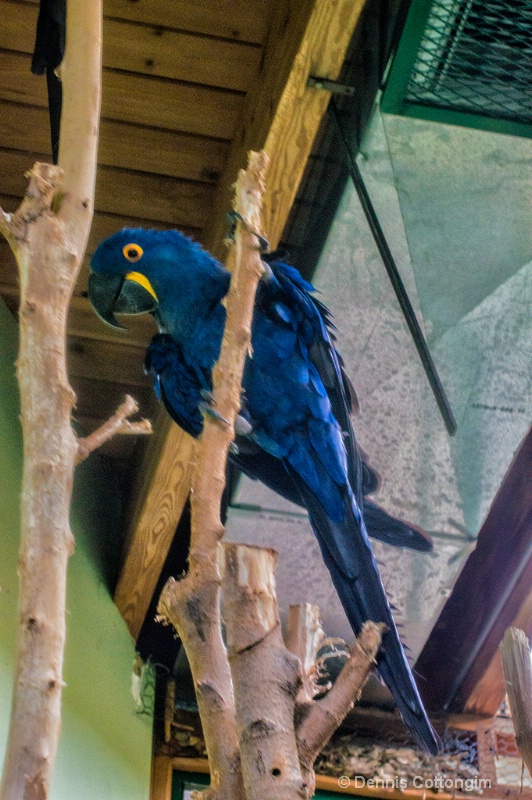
455 206
105 747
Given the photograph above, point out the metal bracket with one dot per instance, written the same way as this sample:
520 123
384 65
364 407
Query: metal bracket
335 87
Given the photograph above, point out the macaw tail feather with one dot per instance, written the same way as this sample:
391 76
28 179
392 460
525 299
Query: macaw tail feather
395 532
348 557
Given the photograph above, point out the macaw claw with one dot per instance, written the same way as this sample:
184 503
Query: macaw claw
208 411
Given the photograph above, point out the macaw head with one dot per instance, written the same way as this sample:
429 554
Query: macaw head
164 273
118 283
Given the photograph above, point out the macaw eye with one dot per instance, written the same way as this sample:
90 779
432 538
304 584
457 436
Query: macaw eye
133 252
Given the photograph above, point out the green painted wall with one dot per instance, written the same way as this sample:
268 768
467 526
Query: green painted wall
105 747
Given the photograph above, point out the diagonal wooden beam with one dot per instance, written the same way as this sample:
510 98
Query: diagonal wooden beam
162 491
161 778
486 696
460 665
282 116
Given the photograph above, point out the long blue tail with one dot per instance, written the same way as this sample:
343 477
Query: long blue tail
348 557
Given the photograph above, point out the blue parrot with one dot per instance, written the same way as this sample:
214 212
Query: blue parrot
293 432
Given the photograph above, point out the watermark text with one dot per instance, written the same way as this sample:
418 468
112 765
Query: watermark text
434 783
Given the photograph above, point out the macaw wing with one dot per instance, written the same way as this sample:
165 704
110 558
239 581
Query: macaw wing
330 367
287 400
176 383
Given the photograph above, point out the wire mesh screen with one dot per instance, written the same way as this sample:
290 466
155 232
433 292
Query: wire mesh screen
500 761
476 56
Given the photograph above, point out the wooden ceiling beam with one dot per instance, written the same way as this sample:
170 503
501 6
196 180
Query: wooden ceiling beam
282 116
459 666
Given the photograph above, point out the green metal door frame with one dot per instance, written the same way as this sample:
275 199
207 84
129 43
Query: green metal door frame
393 98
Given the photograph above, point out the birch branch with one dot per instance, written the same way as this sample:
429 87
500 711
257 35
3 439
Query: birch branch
326 715
49 249
117 424
192 604
517 668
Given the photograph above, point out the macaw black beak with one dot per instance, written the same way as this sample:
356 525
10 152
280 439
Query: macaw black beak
104 291
129 294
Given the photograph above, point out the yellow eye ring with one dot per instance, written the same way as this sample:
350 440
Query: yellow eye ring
133 252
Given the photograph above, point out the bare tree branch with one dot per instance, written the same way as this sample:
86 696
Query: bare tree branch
193 603
324 716
117 424
80 74
49 249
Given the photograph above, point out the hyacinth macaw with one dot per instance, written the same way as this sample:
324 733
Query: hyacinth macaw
293 432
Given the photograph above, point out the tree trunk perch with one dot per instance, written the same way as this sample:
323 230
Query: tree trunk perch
192 604
266 676
303 637
48 235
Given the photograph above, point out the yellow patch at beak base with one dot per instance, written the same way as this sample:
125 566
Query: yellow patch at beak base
141 279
